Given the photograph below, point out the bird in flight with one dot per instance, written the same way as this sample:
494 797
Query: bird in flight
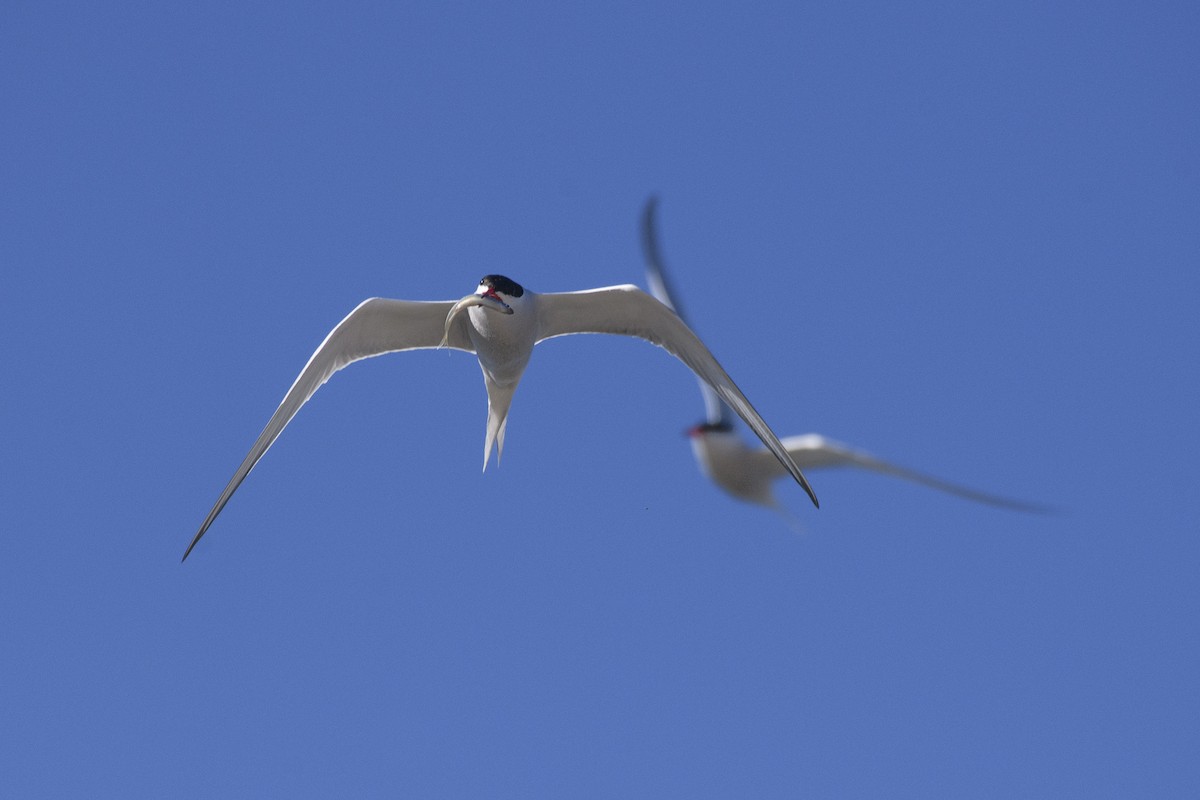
748 472
500 322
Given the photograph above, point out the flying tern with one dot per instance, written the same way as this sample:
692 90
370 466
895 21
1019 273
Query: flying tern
500 323
748 472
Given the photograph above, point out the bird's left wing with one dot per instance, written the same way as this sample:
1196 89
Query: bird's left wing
375 327
628 311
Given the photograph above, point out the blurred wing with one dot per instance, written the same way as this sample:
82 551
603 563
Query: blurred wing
376 327
715 412
813 451
628 311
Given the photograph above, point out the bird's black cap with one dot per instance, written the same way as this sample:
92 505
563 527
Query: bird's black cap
503 285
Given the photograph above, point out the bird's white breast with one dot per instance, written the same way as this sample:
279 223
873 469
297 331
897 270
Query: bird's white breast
503 342
730 463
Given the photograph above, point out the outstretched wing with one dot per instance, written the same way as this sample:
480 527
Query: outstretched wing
628 311
814 451
375 327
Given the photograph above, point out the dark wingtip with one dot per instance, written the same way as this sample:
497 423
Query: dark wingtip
188 552
651 204
649 236
803 481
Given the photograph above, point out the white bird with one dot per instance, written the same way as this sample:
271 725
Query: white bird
501 324
748 472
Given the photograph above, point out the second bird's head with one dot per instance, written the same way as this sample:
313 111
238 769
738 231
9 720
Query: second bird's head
707 429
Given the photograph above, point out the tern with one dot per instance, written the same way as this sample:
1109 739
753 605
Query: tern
500 323
748 472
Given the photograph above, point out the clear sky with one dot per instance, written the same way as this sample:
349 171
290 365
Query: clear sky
963 236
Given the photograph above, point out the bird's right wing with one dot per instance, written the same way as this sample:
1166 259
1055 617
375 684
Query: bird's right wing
375 327
628 311
814 451
715 411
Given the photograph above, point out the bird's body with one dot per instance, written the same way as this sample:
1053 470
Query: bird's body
748 473
500 323
731 464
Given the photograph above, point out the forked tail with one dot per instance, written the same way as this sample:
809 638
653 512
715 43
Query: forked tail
499 400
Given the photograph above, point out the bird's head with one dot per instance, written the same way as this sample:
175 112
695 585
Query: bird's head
705 428
494 291
497 292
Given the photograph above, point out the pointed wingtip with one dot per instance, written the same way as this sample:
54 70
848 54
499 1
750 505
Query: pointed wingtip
800 479
648 209
650 234
188 552
195 541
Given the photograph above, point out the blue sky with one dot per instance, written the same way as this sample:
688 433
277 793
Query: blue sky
961 236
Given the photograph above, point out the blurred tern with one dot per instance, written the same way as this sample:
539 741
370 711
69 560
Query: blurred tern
500 323
747 472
